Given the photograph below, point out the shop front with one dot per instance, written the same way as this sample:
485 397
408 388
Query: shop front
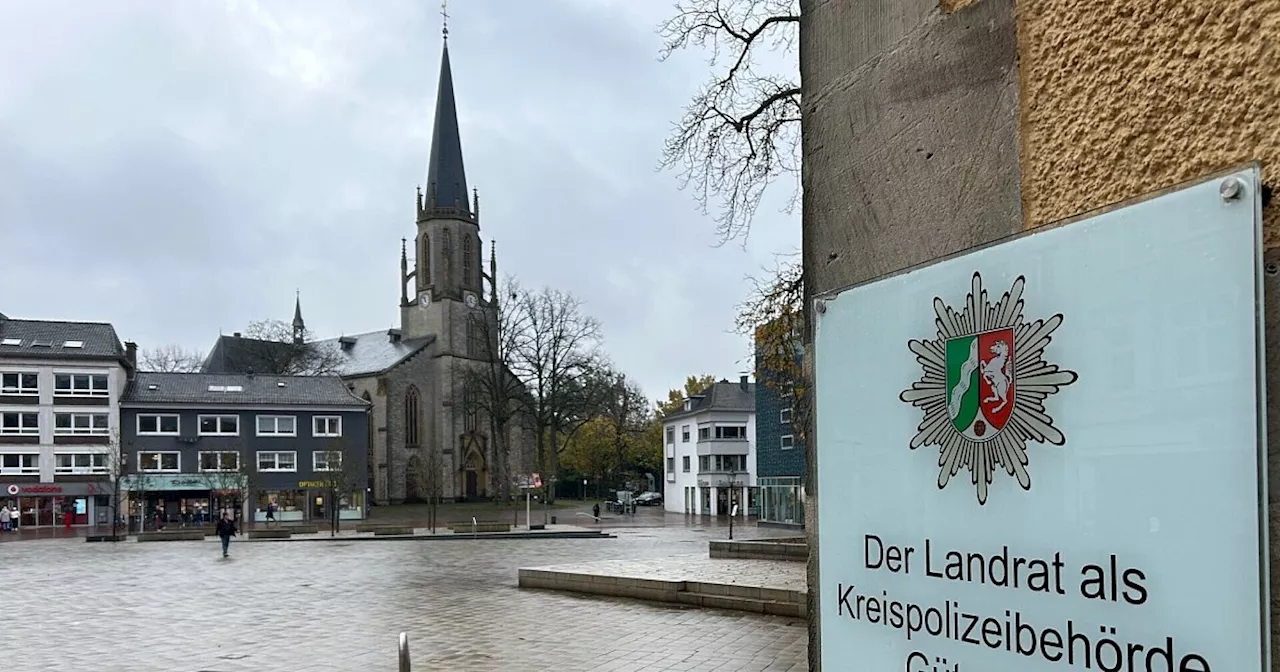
178 499
51 504
782 500
311 500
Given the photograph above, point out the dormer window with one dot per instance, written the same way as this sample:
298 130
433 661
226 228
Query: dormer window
688 404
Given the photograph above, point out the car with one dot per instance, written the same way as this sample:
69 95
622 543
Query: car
649 499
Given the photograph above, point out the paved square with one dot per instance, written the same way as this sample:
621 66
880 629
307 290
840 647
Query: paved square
179 607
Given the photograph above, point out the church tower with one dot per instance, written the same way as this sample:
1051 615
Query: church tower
447 275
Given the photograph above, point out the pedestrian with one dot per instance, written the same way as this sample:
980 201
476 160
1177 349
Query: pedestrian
5 517
595 511
271 512
226 529
68 515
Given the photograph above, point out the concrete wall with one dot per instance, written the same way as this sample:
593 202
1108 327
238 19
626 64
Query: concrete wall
931 126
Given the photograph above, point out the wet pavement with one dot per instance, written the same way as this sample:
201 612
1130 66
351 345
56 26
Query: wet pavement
180 607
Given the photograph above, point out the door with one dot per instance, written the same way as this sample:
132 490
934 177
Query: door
472 488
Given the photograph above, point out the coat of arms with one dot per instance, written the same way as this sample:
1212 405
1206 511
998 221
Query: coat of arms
984 387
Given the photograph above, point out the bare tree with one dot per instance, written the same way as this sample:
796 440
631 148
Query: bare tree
229 471
270 347
553 361
121 471
428 480
340 477
170 359
486 381
741 131
626 410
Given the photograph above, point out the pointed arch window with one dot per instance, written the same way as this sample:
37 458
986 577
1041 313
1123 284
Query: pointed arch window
468 264
471 410
471 337
447 253
424 263
370 466
412 417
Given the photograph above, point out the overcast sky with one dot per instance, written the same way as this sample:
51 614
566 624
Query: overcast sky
180 168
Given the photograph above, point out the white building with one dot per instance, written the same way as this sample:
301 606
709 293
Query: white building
60 386
710 451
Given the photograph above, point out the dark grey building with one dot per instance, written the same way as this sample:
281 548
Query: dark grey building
780 463
198 443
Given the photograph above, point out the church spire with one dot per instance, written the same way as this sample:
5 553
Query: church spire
299 327
446 179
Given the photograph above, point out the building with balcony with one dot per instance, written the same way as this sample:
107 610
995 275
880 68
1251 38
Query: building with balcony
60 388
197 443
709 450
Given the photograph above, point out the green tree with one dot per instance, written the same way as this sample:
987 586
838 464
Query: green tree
675 397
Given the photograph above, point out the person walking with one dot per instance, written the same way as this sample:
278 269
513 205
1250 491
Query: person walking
595 511
226 529
5 516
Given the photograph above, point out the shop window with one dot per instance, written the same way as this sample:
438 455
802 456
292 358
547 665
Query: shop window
159 461
157 424
219 461
80 385
24 463
80 463
278 461
277 425
219 425
19 423
285 500
80 423
326 425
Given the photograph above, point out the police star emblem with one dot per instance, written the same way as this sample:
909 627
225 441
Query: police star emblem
984 387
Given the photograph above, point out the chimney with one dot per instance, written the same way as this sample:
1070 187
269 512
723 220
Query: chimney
742 382
131 354
236 334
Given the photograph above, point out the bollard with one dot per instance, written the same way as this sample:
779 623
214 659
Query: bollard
404 652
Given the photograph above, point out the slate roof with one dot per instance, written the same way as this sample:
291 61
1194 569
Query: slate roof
258 390
446 179
721 396
98 339
369 353
373 352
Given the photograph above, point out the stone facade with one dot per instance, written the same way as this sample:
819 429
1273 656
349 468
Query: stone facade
932 127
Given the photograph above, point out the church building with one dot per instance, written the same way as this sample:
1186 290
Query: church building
431 434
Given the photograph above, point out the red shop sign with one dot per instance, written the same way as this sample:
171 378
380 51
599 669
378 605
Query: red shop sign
35 489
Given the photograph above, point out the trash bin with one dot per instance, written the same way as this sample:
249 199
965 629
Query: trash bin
553 520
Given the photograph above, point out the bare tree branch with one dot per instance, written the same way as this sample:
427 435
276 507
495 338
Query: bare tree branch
773 315
269 348
170 359
741 131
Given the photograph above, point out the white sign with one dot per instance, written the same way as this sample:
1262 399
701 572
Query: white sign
13 489
1044 454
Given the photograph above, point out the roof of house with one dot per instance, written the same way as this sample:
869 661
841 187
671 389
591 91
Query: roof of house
720 396
372 352
60 340
239 389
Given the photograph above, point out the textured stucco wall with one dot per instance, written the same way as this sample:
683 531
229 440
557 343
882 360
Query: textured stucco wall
1124 97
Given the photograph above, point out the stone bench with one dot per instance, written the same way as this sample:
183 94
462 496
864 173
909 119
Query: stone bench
174 535
107 537
391 530
467 527
271 533
302 529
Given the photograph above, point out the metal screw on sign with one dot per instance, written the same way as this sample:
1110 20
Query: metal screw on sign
1231 189
820 306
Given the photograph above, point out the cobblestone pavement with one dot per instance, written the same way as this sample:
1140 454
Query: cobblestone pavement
698 567
337 606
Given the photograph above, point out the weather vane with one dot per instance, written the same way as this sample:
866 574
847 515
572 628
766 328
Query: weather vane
444 12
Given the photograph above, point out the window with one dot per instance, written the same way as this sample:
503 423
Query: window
219 425
80 385
784 416
80 463
671 435
79 423
157 424
326 425
28 463
704 433
788 441
278 461
731 432
19 423
224 460
470 409
704 463
686 464
467 262
684 434
19 383
730 462
151 461
277 425
411 418
424 278
326 460
471 337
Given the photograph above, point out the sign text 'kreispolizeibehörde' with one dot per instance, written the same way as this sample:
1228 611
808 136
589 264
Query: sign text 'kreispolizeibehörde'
1086 646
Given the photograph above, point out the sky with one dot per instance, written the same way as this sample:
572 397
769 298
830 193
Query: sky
180 169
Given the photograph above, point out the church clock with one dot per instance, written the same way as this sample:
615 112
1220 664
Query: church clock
424 299
471 300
